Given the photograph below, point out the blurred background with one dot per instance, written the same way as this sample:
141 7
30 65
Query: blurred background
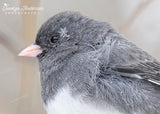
136 20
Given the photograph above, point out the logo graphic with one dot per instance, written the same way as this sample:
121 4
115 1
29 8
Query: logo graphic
17 10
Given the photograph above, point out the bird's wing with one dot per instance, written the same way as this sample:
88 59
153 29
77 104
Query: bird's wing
126 59
144 70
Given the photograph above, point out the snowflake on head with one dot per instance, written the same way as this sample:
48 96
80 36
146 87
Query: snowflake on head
63 32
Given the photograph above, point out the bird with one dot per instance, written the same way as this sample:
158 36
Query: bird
86 67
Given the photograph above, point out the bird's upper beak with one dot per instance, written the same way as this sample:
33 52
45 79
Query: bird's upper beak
31 51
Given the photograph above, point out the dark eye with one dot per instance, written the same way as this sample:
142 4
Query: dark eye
54 39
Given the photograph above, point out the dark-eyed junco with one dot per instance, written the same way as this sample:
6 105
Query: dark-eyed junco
86 67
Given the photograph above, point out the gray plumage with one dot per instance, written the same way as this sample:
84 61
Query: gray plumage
97 63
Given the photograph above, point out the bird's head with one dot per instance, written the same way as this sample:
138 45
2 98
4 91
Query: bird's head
65 34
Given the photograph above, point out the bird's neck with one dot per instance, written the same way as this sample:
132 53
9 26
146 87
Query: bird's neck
50 77
76 71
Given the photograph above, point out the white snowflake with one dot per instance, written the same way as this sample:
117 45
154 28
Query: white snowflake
63 32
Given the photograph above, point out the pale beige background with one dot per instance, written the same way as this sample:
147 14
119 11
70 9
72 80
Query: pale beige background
136 20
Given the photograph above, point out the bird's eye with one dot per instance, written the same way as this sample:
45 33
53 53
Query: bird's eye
54 39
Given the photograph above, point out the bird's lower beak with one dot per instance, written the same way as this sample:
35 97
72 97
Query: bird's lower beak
31 51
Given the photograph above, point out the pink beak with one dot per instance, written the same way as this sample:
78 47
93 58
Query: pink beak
31 51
